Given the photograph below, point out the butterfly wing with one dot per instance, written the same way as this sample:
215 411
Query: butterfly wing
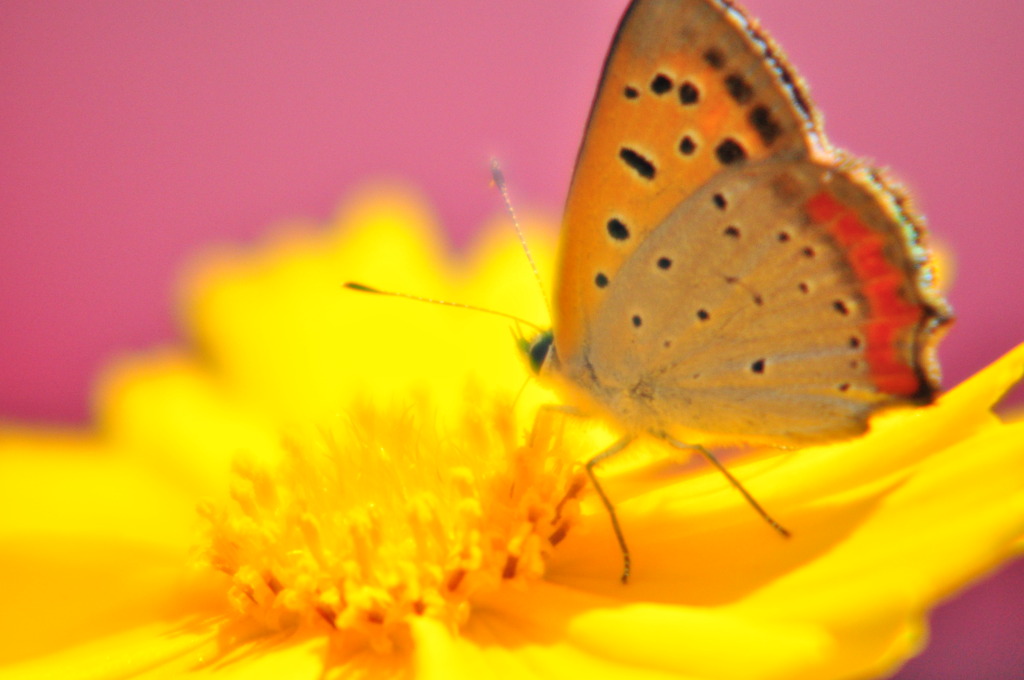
786 300
689 87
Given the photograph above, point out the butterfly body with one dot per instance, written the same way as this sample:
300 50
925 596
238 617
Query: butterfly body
725 275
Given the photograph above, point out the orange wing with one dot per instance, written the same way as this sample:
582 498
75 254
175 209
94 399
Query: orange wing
689 86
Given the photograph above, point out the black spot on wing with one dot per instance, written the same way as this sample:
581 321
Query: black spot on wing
637 163
688 94
729 151
738 88
714 58
617 229
767 128
661 84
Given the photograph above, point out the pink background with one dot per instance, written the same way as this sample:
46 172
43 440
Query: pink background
133 133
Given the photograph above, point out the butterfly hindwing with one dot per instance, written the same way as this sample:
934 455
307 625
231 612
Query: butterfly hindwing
785 300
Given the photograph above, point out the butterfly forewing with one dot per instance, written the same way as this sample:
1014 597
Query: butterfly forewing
690 88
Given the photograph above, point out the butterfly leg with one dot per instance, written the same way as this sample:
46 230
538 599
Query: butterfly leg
710 457
545 411
605 455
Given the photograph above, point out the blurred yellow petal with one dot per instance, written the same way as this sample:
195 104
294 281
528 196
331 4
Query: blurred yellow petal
329 484
154 650
281 330
89 543
627 634
164 403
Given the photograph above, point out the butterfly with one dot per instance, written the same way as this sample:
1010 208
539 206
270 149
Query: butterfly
725 274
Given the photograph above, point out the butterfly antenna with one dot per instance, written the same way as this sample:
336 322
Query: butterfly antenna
499 181
362 288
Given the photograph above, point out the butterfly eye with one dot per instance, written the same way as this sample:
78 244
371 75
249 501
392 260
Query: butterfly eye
539 349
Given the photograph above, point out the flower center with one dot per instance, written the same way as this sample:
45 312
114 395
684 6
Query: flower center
385 518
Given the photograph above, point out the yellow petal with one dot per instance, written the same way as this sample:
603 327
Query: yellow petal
156 650
566 631
282 331
882 526
870 553
181 421
90 543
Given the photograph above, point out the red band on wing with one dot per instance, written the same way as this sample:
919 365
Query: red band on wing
889 313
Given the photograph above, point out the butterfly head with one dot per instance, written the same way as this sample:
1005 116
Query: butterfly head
537 349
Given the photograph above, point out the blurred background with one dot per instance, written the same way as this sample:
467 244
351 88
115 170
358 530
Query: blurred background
133 134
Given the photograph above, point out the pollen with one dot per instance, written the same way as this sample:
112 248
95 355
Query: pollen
360 527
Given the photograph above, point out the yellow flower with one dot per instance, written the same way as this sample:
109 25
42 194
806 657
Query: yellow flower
374 500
